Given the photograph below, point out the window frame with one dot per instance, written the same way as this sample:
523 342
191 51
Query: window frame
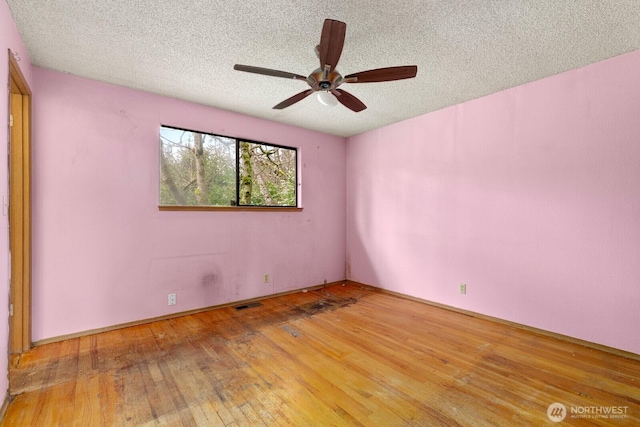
237 207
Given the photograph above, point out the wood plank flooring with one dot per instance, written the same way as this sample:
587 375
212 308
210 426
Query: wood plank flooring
339 356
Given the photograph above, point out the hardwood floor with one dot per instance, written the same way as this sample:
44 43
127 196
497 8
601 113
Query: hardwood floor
342 355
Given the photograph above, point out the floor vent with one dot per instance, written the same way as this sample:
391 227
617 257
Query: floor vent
249 305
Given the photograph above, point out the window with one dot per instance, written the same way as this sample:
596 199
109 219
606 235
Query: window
202 169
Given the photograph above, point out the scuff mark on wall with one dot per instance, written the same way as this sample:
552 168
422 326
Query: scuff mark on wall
197 278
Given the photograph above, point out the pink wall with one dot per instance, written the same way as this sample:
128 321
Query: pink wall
9 39
530 196
104 254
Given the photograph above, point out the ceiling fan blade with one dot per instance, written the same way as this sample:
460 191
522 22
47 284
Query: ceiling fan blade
331 43
295 98
384 74
350 101
268 72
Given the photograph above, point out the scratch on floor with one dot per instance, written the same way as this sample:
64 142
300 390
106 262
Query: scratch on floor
292 331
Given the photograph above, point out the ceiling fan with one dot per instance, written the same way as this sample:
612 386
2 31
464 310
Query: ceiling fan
327 79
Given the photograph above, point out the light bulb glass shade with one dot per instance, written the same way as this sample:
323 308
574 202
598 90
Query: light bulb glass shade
327 98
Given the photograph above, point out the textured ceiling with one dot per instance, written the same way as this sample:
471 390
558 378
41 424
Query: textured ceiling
186 49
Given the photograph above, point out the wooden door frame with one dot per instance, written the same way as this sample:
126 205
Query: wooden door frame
19 209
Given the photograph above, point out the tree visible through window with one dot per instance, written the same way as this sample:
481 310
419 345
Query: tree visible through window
201 169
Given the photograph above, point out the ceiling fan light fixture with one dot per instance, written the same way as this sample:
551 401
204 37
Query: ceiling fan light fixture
327 98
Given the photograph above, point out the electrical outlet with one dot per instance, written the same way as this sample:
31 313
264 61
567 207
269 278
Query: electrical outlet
266 278
172 299
463 288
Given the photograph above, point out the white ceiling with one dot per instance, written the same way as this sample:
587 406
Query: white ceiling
186 49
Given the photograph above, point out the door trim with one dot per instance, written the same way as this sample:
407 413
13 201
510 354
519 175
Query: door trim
19 209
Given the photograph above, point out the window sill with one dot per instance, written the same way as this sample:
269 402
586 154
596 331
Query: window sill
229 208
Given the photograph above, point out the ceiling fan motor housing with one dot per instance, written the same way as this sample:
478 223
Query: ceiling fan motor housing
318 81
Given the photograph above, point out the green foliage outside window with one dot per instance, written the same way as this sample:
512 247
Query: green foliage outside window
200 169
